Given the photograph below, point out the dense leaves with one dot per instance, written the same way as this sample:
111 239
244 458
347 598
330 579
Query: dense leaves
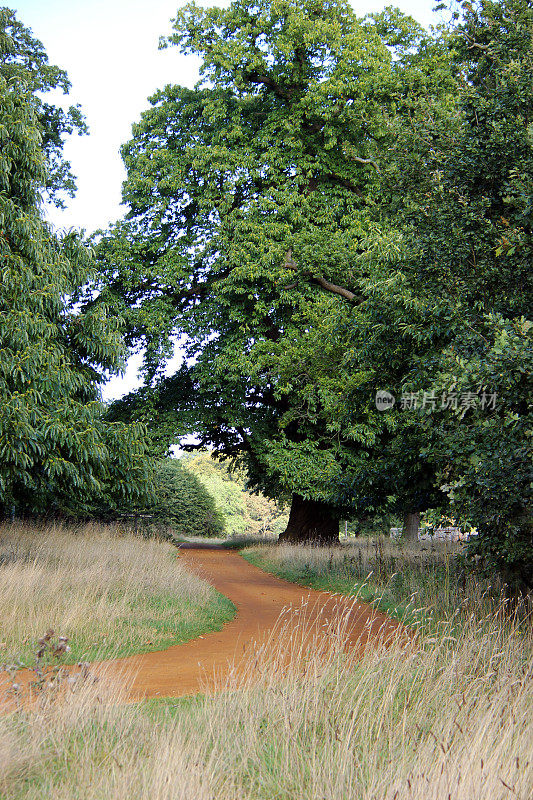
181 502
56 451
242 511
485 455
458 296
342 206
253 205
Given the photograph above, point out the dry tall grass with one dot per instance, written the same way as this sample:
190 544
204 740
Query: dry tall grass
449 719
111 593
406 579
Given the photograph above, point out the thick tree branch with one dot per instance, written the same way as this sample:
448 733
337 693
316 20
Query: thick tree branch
290 263
199 290
332 287
366 161
344 182
270 83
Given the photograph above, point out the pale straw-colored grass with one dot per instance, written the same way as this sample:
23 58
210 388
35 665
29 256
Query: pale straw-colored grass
404 579
448 717
110 592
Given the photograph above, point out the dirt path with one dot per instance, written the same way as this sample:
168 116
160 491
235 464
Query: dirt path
205 663
260 598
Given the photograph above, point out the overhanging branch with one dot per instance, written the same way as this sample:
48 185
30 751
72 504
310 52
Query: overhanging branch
366 161
333 287
290 263
270 83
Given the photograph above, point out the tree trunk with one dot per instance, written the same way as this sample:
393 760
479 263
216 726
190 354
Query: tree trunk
311 521
411 523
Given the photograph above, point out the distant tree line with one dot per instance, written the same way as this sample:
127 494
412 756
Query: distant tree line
242 512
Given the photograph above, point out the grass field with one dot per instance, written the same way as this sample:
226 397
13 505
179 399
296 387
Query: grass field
411 583
111 594
449 718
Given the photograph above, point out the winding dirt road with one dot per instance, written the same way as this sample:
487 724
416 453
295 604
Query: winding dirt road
206 663
273 617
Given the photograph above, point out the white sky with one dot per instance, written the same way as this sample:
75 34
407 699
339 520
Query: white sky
109 49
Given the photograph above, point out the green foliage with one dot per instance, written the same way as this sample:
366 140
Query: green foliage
478 231
242 511
342 206
56 451
251 197
484 455
226 492
23 60
182 502
447 310
163 409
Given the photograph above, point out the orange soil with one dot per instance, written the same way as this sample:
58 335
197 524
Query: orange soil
208 662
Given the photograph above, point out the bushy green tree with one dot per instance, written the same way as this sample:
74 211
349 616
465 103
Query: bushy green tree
183 503
457 298
484 452
254 201
226 492
56 451
344 206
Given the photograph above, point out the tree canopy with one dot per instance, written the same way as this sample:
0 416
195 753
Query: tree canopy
342 206
457 298
254 203
478 230
57 451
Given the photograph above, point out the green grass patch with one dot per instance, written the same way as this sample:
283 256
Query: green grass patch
414 587
164 708
112 595
160 621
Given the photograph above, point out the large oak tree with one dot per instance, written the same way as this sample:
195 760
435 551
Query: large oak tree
256 199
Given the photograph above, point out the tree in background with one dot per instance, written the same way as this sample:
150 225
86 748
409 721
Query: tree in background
255 202
226 492
57 452
242 511
183 503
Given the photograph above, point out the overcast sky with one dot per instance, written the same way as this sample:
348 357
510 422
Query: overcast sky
109 49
